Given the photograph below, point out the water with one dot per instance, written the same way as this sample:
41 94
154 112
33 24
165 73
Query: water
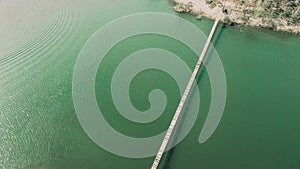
38 125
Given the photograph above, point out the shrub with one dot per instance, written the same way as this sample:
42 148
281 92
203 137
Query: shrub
224 10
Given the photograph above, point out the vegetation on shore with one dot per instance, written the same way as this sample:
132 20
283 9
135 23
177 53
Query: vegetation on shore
281 15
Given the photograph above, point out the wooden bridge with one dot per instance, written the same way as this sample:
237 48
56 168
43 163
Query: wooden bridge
183 99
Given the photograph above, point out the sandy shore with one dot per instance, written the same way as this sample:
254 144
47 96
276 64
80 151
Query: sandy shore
234 14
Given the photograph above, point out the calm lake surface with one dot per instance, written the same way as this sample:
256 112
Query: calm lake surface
39 45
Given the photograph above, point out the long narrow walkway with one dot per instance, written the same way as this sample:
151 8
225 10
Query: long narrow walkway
183 99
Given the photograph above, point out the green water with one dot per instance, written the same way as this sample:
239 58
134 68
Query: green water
39 45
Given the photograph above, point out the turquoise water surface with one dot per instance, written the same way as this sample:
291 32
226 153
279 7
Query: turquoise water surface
39 45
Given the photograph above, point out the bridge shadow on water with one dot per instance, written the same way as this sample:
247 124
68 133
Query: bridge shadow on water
168 156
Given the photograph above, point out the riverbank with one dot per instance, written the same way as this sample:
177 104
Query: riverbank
284 16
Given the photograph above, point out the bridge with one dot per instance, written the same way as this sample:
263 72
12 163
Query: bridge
183 98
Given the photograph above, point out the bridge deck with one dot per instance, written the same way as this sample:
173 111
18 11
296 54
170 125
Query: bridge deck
183 99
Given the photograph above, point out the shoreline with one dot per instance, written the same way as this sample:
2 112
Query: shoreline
234 13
